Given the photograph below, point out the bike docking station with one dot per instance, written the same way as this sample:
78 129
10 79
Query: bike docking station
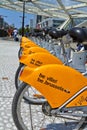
60 86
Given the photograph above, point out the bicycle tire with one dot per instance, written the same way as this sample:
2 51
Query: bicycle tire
17 81
20 52
14 109
20 114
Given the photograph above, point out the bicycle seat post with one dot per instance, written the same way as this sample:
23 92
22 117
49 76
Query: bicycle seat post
64 53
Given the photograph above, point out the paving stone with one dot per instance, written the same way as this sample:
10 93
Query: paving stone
8 66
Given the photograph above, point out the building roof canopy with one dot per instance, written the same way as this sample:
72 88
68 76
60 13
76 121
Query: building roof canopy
56 8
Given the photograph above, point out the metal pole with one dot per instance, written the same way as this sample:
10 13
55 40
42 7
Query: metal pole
23 18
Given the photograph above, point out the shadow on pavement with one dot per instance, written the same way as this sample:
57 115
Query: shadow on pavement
61 126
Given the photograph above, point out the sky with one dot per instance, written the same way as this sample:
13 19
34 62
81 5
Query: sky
15 17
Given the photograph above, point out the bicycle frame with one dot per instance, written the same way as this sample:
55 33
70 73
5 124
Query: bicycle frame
61 85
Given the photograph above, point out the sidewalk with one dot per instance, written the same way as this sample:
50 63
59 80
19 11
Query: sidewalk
8 66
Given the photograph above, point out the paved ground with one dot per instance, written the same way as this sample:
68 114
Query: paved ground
8 67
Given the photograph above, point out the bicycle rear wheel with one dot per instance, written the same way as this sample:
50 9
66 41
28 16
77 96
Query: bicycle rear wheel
31 95
27 116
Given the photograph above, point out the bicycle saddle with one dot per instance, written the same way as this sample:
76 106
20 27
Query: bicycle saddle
78 34
54 33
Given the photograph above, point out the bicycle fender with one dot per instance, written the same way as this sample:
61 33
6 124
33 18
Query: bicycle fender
25 40
34 50
57 83
38 59
27 45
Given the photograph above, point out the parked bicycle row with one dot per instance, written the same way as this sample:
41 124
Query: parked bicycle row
51 79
